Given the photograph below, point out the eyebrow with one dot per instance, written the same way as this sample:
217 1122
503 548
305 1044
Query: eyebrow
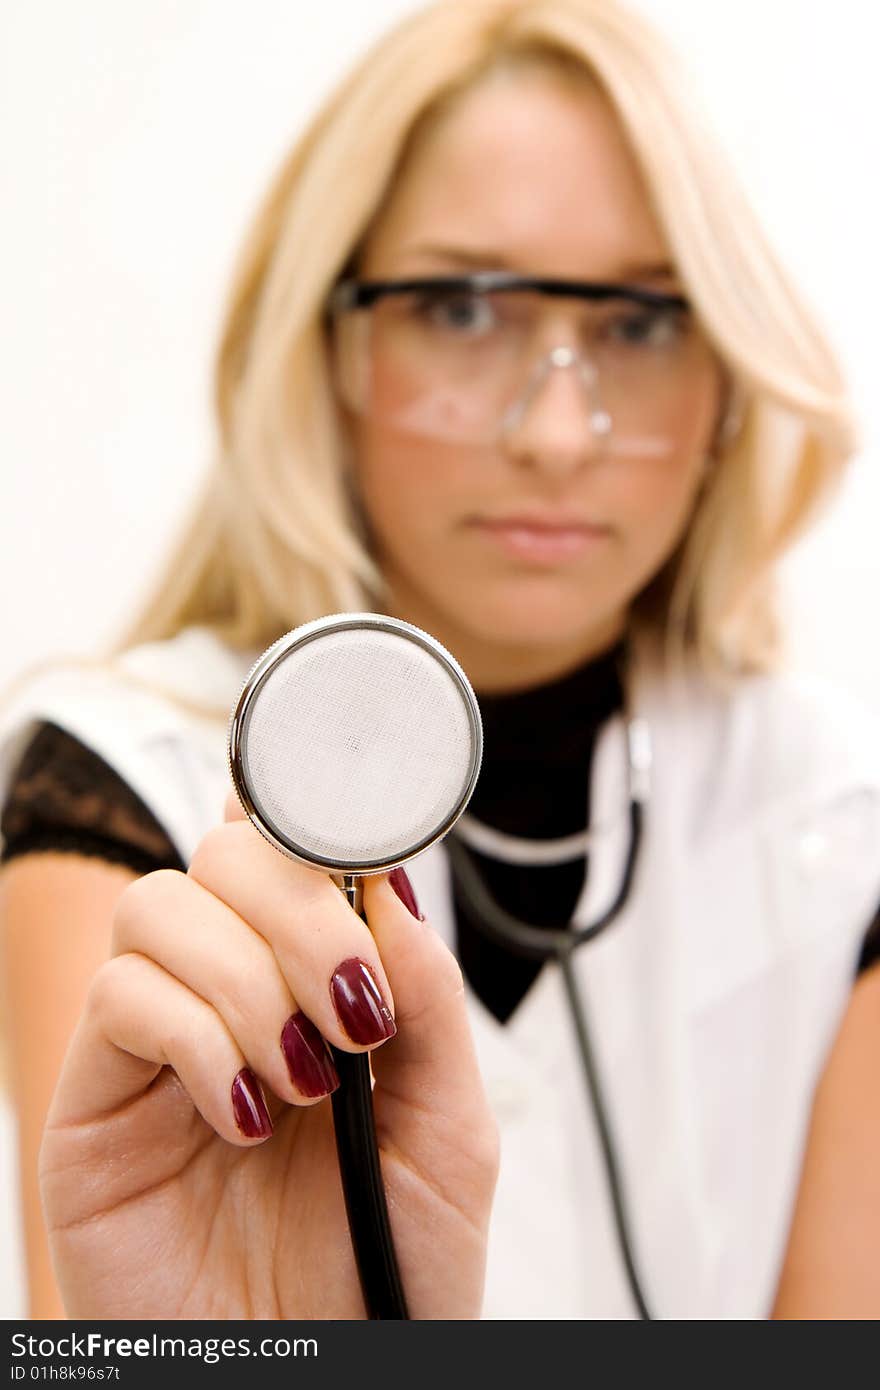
474 259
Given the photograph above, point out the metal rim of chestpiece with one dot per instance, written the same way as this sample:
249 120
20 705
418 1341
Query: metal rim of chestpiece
268 663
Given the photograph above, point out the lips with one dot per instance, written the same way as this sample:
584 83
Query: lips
542 540
542 524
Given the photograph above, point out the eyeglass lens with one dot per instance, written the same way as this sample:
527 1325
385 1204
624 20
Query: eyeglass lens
466 365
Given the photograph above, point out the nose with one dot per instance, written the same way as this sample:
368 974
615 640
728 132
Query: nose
557 423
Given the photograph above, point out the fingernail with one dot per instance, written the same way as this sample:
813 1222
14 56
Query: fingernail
308 1061
399 880
359 1005
248 1106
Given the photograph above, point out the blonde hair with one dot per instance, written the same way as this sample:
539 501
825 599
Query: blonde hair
276 538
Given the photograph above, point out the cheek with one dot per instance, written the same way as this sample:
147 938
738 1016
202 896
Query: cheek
655 506
654 499
396 381
665 488
657 491
409 489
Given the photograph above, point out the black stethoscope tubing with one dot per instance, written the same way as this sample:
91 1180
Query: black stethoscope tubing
544 944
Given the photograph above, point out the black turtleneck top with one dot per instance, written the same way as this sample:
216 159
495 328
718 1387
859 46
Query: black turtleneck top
534 784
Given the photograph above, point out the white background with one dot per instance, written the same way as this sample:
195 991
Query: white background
135 140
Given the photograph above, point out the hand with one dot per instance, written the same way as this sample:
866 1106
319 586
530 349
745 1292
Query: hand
165 1195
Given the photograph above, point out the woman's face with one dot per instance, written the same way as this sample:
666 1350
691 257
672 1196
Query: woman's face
530 174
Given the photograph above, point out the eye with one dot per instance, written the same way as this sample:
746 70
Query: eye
459 311
647 326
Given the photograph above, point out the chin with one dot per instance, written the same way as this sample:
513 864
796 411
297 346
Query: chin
537 620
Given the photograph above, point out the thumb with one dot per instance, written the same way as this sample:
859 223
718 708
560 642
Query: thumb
233 809
427 1078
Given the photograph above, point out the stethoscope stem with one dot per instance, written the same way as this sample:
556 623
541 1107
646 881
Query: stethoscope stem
361 1173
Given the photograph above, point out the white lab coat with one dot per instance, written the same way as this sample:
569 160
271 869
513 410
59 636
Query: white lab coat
713 999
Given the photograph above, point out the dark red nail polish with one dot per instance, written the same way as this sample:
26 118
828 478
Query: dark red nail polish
248 1106
361 1010
308 1061
399 880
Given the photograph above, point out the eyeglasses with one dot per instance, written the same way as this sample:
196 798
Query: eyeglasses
463 358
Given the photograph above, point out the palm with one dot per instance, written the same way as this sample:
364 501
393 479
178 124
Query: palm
161 1218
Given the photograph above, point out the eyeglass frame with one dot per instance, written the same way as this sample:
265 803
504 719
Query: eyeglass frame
352 293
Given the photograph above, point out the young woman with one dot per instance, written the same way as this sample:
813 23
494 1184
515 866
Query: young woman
506 357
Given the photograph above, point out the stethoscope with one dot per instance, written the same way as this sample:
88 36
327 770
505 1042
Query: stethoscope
354 745
559 945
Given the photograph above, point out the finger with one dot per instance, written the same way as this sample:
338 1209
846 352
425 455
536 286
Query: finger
171 919
139 1019
233 809
324 950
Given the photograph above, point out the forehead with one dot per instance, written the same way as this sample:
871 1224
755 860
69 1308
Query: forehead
530 168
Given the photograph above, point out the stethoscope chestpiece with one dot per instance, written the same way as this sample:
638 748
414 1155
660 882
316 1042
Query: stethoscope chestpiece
355 743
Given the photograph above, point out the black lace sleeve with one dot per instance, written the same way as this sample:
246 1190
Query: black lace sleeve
64 797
